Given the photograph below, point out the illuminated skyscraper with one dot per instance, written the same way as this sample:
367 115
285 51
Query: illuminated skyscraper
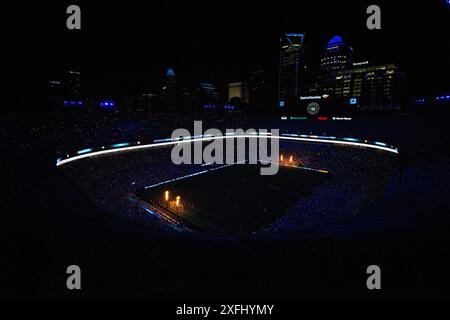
170 86
377 87
292 66
337 55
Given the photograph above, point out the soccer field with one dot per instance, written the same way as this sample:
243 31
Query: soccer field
237 199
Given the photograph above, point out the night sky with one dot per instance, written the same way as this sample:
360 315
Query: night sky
126 47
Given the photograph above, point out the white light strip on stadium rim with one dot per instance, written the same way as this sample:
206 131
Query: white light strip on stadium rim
292 137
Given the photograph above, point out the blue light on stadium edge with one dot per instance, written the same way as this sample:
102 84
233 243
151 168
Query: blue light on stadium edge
353 101
281 103
420 101
72 103
84 151
443 98
118 145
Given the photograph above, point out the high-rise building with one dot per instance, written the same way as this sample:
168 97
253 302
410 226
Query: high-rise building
55 92
72 84
292 66
169 89
238 91
337 55
367 87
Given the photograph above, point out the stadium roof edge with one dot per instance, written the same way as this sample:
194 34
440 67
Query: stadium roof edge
293 137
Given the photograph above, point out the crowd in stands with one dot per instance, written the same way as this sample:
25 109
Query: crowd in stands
359 176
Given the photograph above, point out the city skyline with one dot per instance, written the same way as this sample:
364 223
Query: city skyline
145 81
194 153
132 54
313 65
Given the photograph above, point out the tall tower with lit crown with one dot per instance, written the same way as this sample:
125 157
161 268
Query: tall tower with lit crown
170 84
337 55
292 66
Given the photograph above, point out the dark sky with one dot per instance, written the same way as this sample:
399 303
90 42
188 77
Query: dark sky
127 46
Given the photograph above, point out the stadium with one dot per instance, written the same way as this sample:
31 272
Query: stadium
93 205
349 187
312 188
